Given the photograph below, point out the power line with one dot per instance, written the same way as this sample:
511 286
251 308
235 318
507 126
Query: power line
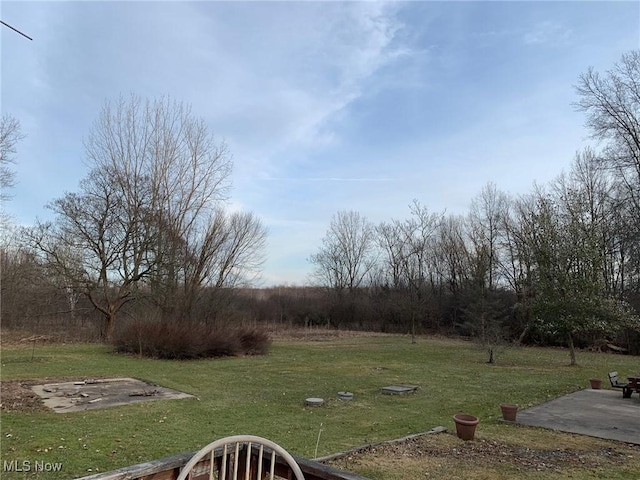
15 30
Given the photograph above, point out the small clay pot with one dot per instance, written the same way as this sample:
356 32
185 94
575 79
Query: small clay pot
509 411
595 383
465 425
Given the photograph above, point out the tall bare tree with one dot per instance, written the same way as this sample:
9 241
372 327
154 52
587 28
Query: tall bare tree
347 254
611 102
392 246
486 229
612 106
518 265
453 260
408 253
418 234
10 135
148 217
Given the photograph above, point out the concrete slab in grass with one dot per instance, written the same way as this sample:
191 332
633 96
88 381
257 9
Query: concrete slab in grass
596 413
107 392
399 389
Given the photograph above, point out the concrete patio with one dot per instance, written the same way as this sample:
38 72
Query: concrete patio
91 394
596 413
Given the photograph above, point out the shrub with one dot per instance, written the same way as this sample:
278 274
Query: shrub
254 341
220 343
187 340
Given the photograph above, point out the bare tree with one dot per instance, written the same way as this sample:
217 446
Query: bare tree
10 135
518 264
347 254
23 283
453 259
486 228
149 218
408 252
612 106
418 233
93 246
598 204
484 312
392 246
228 255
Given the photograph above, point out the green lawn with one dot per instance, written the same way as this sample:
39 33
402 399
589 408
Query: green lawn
265 396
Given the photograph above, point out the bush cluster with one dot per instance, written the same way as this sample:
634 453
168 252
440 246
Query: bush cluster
184 340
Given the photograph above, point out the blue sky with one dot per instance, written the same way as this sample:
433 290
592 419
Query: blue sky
326 106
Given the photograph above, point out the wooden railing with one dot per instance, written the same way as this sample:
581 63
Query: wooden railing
169 469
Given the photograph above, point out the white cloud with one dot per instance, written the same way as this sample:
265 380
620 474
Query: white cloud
325 106
319 70
547 32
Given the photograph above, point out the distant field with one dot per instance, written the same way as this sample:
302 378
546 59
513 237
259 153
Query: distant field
265 396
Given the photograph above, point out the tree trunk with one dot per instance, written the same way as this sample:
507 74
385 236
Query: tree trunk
491 360
110 323
572 350
413 328
523 335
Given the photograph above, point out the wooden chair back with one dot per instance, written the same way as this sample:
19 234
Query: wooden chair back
240 457
613 378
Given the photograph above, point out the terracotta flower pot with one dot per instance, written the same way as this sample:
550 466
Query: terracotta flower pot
465 425
595 383
509 411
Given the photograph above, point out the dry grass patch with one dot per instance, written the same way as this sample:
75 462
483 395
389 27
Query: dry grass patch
445 456
17 396
321 334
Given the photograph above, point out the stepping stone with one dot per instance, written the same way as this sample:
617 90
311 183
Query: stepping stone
314 402
345 395
399 389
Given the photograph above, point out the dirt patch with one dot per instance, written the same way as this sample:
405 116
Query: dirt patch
17 396
434 450
319 334
63 395
17 338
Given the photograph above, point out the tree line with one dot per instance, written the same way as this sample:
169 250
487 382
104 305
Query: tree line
147 232
147 237
557 264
